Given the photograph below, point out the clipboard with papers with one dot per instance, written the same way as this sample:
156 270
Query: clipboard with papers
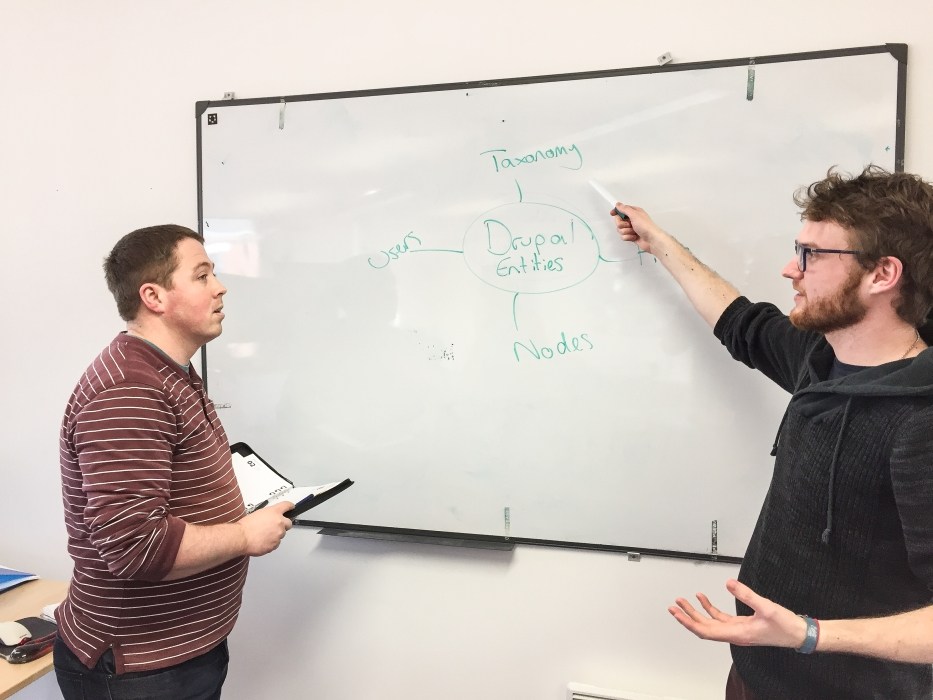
261 485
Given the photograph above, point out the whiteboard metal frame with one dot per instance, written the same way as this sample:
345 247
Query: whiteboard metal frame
474 540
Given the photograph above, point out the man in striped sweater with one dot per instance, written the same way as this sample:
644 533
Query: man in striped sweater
156 524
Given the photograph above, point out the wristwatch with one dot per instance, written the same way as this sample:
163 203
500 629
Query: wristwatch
813 635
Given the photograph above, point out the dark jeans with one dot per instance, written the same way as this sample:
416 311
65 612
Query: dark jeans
199 678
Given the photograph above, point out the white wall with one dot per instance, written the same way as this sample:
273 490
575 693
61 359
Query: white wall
97 138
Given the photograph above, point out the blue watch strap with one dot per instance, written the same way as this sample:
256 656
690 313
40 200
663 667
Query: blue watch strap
813 636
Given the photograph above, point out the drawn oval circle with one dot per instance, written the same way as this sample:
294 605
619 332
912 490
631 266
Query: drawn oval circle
530 248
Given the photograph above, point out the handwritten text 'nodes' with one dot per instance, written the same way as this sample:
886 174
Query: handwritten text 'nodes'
530 248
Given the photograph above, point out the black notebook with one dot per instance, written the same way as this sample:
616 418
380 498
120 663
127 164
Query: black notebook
262 485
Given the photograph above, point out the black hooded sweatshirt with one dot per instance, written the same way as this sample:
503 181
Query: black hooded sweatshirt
846 529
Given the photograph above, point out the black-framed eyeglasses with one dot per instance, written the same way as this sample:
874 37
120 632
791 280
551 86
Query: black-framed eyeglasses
802 251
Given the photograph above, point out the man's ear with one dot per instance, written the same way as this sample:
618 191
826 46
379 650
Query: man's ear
153 297
886 275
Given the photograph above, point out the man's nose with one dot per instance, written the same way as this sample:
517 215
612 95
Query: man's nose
791 271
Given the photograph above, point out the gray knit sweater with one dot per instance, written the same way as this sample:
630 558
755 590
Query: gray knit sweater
846 529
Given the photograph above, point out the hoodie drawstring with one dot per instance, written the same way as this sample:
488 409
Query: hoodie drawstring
832 474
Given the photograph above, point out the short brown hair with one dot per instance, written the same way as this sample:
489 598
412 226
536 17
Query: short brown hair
146 255
888 215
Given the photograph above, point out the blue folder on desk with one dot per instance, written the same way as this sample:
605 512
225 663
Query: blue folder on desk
12 577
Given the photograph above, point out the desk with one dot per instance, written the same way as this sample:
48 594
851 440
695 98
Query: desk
27 600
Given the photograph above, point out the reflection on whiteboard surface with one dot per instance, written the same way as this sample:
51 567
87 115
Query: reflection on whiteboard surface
426 292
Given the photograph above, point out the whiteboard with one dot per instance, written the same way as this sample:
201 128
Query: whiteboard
427 296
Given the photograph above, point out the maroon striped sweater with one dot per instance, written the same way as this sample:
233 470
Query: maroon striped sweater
142 453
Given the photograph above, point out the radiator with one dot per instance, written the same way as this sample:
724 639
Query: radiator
580 691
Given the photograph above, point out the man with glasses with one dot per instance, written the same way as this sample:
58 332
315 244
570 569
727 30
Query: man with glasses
846 529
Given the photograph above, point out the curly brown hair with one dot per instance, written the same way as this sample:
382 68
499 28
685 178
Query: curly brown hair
887 215
141 256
